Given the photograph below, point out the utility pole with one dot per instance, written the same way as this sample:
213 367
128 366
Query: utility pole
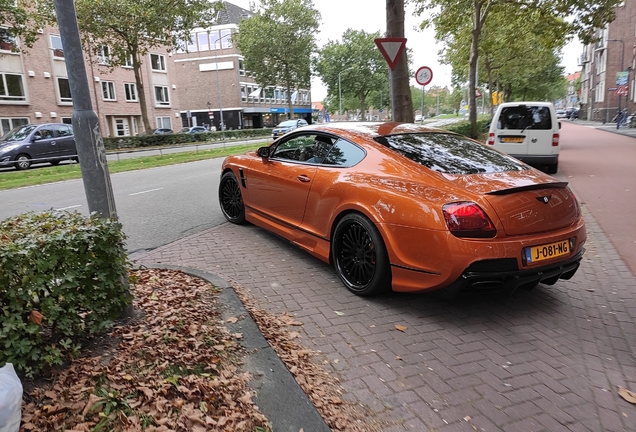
88 136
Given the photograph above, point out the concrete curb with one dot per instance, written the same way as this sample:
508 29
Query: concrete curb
279 397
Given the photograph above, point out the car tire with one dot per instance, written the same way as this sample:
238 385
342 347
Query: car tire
553 168
231 199
22 162
360 257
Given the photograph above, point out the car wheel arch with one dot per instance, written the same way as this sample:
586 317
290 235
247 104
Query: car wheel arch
348 211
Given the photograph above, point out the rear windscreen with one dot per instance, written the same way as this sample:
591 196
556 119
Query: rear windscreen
525 117
450 153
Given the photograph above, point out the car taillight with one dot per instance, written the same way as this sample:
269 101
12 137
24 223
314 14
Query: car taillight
555 140
491 138
467 219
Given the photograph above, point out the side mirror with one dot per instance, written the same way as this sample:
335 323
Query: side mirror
263 152
37 136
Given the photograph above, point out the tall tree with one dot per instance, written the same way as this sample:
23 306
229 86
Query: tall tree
355 64
451 16
277 43
403 104
22 19
130 28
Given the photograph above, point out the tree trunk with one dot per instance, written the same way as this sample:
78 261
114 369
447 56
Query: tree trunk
403 104
363 108
472 69
141 93
490 87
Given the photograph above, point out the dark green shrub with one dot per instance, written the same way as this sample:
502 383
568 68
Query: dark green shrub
141 141
72 270
463 127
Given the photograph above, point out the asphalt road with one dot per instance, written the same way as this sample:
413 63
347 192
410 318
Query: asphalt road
156 206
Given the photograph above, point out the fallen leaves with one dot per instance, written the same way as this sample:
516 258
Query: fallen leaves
176 369
322 388
628 395
401 327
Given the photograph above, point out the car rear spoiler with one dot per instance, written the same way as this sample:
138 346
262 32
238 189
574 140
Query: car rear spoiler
553 185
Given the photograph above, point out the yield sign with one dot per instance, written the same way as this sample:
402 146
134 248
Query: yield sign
391 49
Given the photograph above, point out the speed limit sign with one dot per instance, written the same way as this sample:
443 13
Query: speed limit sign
424 75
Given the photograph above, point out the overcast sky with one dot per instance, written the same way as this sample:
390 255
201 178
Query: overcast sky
370 16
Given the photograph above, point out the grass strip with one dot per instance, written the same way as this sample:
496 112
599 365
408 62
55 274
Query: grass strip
43 175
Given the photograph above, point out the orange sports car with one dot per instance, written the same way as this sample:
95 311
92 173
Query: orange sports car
405 207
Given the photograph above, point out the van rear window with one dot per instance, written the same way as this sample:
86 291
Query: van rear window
525 117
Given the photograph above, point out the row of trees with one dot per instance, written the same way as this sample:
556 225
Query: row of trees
514 44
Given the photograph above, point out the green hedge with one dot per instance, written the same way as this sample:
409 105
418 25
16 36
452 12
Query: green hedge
177 139
463 127
64 276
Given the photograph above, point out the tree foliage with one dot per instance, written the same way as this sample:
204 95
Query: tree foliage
462 21
356 64
277 43
130 28
23 18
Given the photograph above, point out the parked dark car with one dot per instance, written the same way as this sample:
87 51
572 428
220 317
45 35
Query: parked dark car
287 126
194 129
572 113
28 144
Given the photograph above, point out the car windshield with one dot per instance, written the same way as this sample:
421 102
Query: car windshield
525 117
288 123
450 153
18 133
184 130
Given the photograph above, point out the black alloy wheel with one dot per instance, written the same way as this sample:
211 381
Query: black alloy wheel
230 199
22 162
360 257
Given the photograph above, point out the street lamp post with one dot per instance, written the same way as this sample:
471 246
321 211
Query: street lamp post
218 83
622 69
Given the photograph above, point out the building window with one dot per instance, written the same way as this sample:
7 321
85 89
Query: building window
67 120
7 40
162 96
131 92
108 90
158 62
164 123
128 63
56 47
214 40
226 39
121 127
192 44
6 124
244 93
64 89
204 41
241 68
12 88
103 55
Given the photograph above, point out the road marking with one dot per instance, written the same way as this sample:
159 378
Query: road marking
143 192
69 207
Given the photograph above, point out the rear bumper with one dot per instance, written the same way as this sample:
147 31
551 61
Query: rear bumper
537 159
502 275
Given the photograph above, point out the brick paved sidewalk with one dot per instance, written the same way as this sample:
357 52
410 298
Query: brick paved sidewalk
546 360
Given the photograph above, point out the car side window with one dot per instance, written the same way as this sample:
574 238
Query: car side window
45 133
63 131
295 149
344 154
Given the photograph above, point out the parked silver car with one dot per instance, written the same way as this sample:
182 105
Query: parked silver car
28 144
287 126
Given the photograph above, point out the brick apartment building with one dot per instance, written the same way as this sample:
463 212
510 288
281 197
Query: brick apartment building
603 87
182 87
210 77
35 88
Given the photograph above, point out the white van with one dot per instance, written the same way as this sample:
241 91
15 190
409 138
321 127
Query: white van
528 131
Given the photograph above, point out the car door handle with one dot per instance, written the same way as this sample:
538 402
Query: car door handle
52 142
303 178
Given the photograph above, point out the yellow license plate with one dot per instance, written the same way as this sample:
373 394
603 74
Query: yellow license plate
511 139
547 251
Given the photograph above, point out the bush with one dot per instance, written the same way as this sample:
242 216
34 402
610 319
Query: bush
463 127
64 276
141 141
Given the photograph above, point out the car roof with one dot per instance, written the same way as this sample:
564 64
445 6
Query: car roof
371 130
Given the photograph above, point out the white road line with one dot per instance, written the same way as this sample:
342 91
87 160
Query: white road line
143 192
69 207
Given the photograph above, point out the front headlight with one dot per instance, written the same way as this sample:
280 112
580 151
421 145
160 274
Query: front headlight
8 148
